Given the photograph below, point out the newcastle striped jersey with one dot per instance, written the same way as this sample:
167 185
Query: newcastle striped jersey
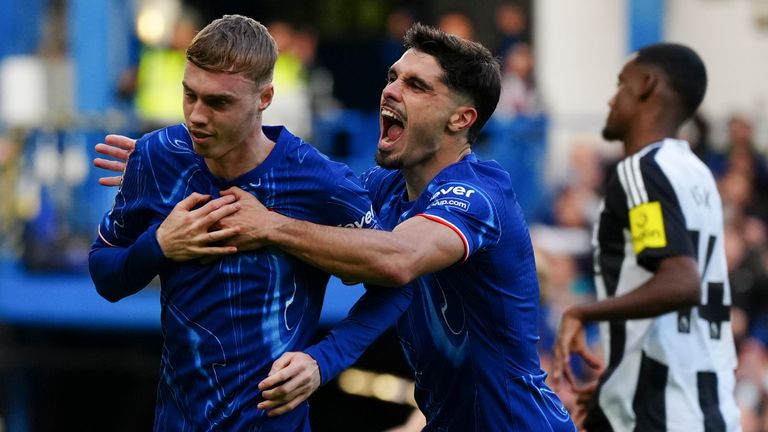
674 372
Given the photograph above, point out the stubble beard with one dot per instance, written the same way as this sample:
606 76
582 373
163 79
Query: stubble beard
388 162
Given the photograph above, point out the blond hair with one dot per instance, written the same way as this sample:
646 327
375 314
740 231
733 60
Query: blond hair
235 44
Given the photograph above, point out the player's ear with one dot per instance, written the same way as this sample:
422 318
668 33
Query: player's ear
648 83
265 96
464 117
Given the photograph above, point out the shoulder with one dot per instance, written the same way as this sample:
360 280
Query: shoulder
473 178
383 185
378 176
636 172
166 141
469 189
305 164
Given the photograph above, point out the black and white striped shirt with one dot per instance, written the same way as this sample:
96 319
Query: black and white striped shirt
674 372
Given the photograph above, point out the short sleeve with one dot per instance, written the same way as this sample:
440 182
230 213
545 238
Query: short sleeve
470 210
656 221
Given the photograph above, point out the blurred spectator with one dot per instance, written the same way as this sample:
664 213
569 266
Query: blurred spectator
751 386
563 245
569 231
296 54
746 258
458 24
743 158
742 154
158 89
741 199
512 26
698 133
561 284
583 176
587 172
11 206
398 22
519 95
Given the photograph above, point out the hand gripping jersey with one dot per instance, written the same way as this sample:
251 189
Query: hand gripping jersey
674 372
470 334
224 323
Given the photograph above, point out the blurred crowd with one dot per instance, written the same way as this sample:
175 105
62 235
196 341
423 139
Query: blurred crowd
315 80
322 77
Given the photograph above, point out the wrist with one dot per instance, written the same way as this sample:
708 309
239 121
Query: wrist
575 312
161 241
280 225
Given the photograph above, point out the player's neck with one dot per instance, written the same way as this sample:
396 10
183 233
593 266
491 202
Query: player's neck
242 158
417 177
650 127
643 136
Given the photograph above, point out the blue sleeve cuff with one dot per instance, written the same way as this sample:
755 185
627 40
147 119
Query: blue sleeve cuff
322 362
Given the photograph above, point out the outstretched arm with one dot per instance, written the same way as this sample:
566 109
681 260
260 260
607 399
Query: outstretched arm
673 286
415 247
296 375
118 147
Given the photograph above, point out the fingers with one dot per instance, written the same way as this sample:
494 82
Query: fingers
223 234
278 373
109 164
570 376
592 360
292 379
282 409
556 374
234 191
121 141
213 250
561 368
217 209
282 362
191 201
558 364
584 393
118 147
283 393
287 396
111 181
113 152
273 380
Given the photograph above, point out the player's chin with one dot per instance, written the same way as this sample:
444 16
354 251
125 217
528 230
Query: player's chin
386 159
610 134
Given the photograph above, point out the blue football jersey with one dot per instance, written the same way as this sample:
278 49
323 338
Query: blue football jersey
470 333
224 323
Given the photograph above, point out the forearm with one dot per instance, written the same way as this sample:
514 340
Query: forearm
375 257
376 311
119 272
674 286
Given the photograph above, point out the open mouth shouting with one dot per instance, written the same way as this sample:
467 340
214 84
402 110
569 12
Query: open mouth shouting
392 128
